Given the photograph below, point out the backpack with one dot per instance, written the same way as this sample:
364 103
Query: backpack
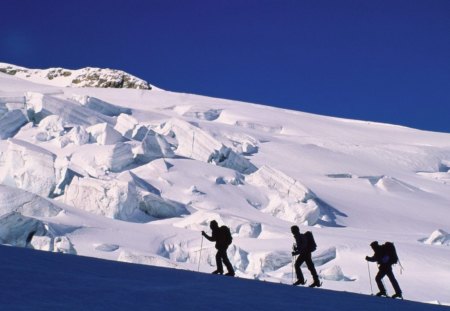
390 251
226 235
312 246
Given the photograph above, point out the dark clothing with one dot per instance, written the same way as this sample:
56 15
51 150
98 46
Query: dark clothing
217 236
384 269
301 244
222 256
305 257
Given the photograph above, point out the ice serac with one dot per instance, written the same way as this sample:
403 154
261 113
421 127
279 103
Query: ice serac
155 206
438 237
130 128
104 134
263 262
113 199
17 230
28 167
11 122
50 127
100 106
333 273
77 136
288 198
40 106
151 260
126 125
197 144
153 146
98 160
119 199
26 203
62 244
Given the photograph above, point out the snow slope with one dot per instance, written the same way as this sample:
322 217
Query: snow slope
43 281
136 175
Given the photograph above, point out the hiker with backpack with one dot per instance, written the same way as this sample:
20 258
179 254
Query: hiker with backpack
385 255
304 246
222 237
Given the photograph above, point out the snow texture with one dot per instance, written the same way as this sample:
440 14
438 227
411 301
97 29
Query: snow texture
11 122
25 203
28 167
438 237
104 134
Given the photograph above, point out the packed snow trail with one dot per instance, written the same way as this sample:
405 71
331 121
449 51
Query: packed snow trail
36 280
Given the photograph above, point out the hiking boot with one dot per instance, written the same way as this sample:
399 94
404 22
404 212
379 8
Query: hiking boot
315 284
299 282
380 294
217 272
397 295
230 274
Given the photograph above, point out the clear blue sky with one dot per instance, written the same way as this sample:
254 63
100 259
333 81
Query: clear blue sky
377 60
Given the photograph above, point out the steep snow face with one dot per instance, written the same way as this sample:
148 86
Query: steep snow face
135 176
85 77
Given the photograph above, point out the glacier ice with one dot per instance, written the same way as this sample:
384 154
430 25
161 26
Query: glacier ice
438 237
77 136
18 230
152 260
197 144
152 147
155 206
113 199
40 106
126 125
11 122
98 160
26 203
262 262
50 127
100 105
43 243
62 244
29 167
104 134
288 198
119 199
333 273
249 230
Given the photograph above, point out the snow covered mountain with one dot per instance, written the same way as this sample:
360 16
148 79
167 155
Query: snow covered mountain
136 175
85 77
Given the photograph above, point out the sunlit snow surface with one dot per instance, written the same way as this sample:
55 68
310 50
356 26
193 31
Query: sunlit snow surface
136 175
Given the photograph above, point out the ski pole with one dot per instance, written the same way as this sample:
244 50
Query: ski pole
370 279
401 267
200 256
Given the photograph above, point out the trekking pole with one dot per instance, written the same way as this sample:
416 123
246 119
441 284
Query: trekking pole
200 256
370 279
401 267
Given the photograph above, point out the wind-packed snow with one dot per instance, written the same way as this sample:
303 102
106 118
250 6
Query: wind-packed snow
136 175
